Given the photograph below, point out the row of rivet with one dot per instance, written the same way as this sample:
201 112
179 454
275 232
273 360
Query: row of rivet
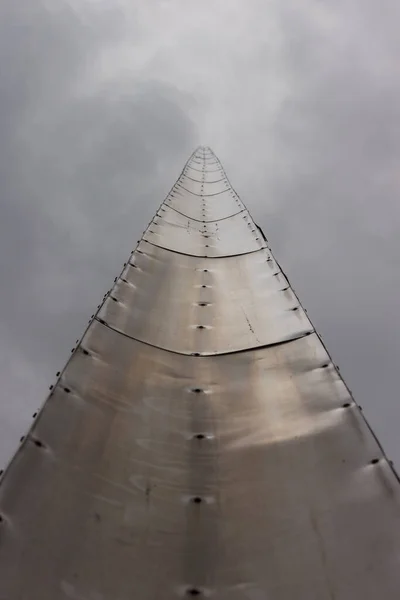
78 346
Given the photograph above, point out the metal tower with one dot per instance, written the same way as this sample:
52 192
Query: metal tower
200 441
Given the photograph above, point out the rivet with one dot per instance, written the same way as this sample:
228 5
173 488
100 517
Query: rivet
73 350
197 390
67 390
197 500
34 415
85 352
51 387
200 436
203 304
193 592
374 461
102 322
1 473
114 299
124 280
325 366
200 327
38 443
295 308
195 354
22 438
346 405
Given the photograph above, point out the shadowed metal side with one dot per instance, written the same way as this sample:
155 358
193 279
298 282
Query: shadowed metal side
200 442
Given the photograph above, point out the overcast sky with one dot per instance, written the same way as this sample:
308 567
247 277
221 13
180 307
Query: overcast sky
101 102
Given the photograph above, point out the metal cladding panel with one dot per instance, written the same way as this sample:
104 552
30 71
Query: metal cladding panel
202 187
192 226
214 306
205 176
208 190
195 166
149 473
291 506
225 237
205 162
203 209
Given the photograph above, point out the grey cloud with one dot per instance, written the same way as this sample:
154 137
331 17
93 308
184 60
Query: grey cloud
335 225
81 176
300 101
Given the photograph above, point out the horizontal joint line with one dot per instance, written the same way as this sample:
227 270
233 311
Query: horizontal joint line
206 182
205 195
202 255
201 220
208 355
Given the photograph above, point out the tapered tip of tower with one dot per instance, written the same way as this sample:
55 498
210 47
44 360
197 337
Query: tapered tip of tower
204 149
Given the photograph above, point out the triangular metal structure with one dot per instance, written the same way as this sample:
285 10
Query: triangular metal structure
200 441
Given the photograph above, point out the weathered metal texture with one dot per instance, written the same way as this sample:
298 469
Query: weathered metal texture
243 475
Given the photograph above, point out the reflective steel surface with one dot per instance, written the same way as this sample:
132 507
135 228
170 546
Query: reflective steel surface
220 305
200 441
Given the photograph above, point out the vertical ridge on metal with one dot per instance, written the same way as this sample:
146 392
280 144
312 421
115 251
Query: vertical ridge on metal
200 441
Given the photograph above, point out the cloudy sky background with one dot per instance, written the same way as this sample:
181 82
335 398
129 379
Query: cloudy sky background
101 102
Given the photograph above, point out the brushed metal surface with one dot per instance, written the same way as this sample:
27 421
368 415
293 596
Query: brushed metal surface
245 475
248 302
225 237
207 209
